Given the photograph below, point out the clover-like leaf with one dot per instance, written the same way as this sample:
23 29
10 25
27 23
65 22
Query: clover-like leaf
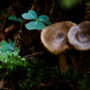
43 18
31 14
34 25
48 22
19 20
12 17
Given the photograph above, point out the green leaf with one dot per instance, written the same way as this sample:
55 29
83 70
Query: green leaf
12 17
4 45
43 18
67 4
88 3
31 14
35 25
48 22
19 20
11 45
1 67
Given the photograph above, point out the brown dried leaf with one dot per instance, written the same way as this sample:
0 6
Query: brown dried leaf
9 28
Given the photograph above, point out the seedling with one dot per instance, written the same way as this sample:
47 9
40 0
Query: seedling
15 18
38 22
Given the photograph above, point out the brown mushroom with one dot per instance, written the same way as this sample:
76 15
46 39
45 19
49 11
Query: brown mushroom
79 36
54 38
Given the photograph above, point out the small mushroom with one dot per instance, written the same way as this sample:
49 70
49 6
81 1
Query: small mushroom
54 38
79 36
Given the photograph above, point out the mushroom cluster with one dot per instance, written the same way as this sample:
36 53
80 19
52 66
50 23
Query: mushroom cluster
57 37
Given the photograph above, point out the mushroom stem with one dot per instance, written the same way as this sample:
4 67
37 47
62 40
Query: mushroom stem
81 57
74 64
63 63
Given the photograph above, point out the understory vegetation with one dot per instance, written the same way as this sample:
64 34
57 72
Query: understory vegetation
25 64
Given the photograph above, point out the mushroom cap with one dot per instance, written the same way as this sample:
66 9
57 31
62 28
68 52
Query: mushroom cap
54 37
79 36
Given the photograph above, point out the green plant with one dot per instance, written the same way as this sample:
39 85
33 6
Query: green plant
10 59
88 9
84 82
38 23
67 4
13 17
88 3
38 73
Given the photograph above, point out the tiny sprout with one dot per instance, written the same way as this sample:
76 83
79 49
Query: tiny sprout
15 18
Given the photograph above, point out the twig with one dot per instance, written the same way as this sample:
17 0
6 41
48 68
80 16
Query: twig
33 54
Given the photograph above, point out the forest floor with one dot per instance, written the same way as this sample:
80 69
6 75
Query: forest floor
43 72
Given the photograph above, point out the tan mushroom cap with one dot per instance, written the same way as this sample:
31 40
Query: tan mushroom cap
54 37
79 36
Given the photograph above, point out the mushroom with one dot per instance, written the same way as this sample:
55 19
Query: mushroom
79 36
54 38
